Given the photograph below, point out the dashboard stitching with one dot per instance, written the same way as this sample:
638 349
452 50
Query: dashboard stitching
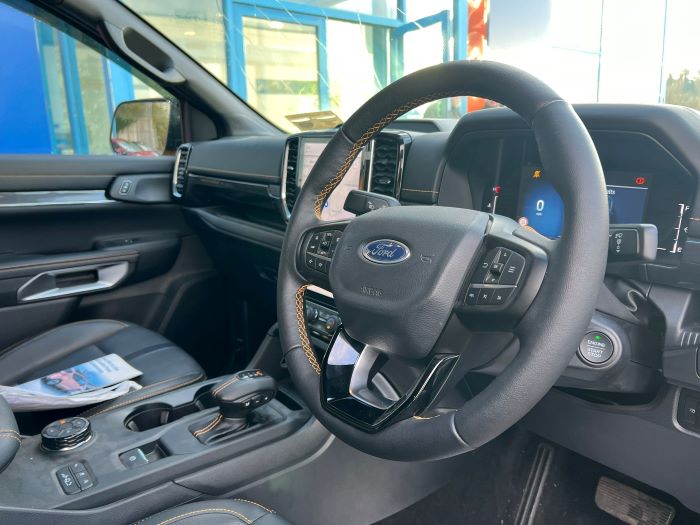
366 137
301 326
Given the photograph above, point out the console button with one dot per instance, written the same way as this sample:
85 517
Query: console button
484 296
84 479
513 269
688 411
500 296
596 348
133 458
472 295
67 480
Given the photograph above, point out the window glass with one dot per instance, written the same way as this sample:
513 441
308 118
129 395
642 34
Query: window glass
281 67
68 91
300 56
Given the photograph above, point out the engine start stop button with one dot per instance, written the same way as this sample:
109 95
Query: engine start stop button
596 348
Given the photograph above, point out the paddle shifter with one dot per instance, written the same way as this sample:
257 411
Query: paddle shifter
236 396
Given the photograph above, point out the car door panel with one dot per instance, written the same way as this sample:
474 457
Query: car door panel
65 258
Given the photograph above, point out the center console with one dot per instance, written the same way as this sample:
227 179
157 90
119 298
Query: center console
126 450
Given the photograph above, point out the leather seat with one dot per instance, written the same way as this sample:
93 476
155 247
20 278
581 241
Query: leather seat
164 366
217 512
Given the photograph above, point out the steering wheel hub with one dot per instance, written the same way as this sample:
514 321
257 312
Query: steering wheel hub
401 309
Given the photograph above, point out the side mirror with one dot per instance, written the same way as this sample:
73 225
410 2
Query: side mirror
146 128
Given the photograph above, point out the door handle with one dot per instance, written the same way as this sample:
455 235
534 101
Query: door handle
73 281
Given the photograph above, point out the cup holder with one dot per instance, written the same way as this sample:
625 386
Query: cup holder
152 415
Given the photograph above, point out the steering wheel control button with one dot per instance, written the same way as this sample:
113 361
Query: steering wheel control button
503 256
66 434
596 348
320 249
500 296
472 295
513 269
484 296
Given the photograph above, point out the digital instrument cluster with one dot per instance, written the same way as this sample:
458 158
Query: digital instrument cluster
633 198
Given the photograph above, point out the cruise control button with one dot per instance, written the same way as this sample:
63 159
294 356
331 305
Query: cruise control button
497 268
500 296
472 295
503 256
321 265
484 296
311 261
492 278
513 269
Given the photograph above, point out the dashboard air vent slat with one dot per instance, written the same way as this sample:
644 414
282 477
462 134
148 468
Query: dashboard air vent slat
385 165
291 188
180 173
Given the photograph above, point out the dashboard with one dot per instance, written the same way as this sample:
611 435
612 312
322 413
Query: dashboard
239 194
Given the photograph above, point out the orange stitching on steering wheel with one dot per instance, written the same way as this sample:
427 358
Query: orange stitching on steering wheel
365 138
301 325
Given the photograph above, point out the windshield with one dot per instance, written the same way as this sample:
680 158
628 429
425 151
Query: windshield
287 58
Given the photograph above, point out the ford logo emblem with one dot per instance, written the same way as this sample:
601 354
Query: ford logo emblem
386 251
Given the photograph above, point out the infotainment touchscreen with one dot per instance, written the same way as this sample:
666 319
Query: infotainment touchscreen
542 209
310 149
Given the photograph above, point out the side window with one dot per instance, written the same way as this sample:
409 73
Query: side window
59 89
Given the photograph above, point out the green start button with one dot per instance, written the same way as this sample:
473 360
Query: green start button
596 348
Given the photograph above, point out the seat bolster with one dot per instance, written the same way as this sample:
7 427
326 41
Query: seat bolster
217 512
19 361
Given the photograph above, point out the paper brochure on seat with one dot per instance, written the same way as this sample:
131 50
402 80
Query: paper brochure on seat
93 382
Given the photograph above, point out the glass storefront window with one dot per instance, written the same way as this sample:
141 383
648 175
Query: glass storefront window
281 67
359 74
70 87
382 8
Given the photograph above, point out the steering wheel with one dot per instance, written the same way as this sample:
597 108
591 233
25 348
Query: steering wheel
428 293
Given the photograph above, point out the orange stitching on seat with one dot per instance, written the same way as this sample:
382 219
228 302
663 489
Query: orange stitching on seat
11 436
209 426
256 504
204 511
149 394
301 326
419 191
365 138
3 430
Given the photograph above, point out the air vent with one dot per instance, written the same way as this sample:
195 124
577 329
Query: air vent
290 187
180 172
387 163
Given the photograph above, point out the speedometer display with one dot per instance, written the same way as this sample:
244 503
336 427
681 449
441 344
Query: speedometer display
629 202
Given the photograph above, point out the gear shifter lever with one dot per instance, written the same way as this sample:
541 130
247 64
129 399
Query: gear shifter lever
237 396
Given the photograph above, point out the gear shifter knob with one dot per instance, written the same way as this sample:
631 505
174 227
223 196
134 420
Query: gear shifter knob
244 391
